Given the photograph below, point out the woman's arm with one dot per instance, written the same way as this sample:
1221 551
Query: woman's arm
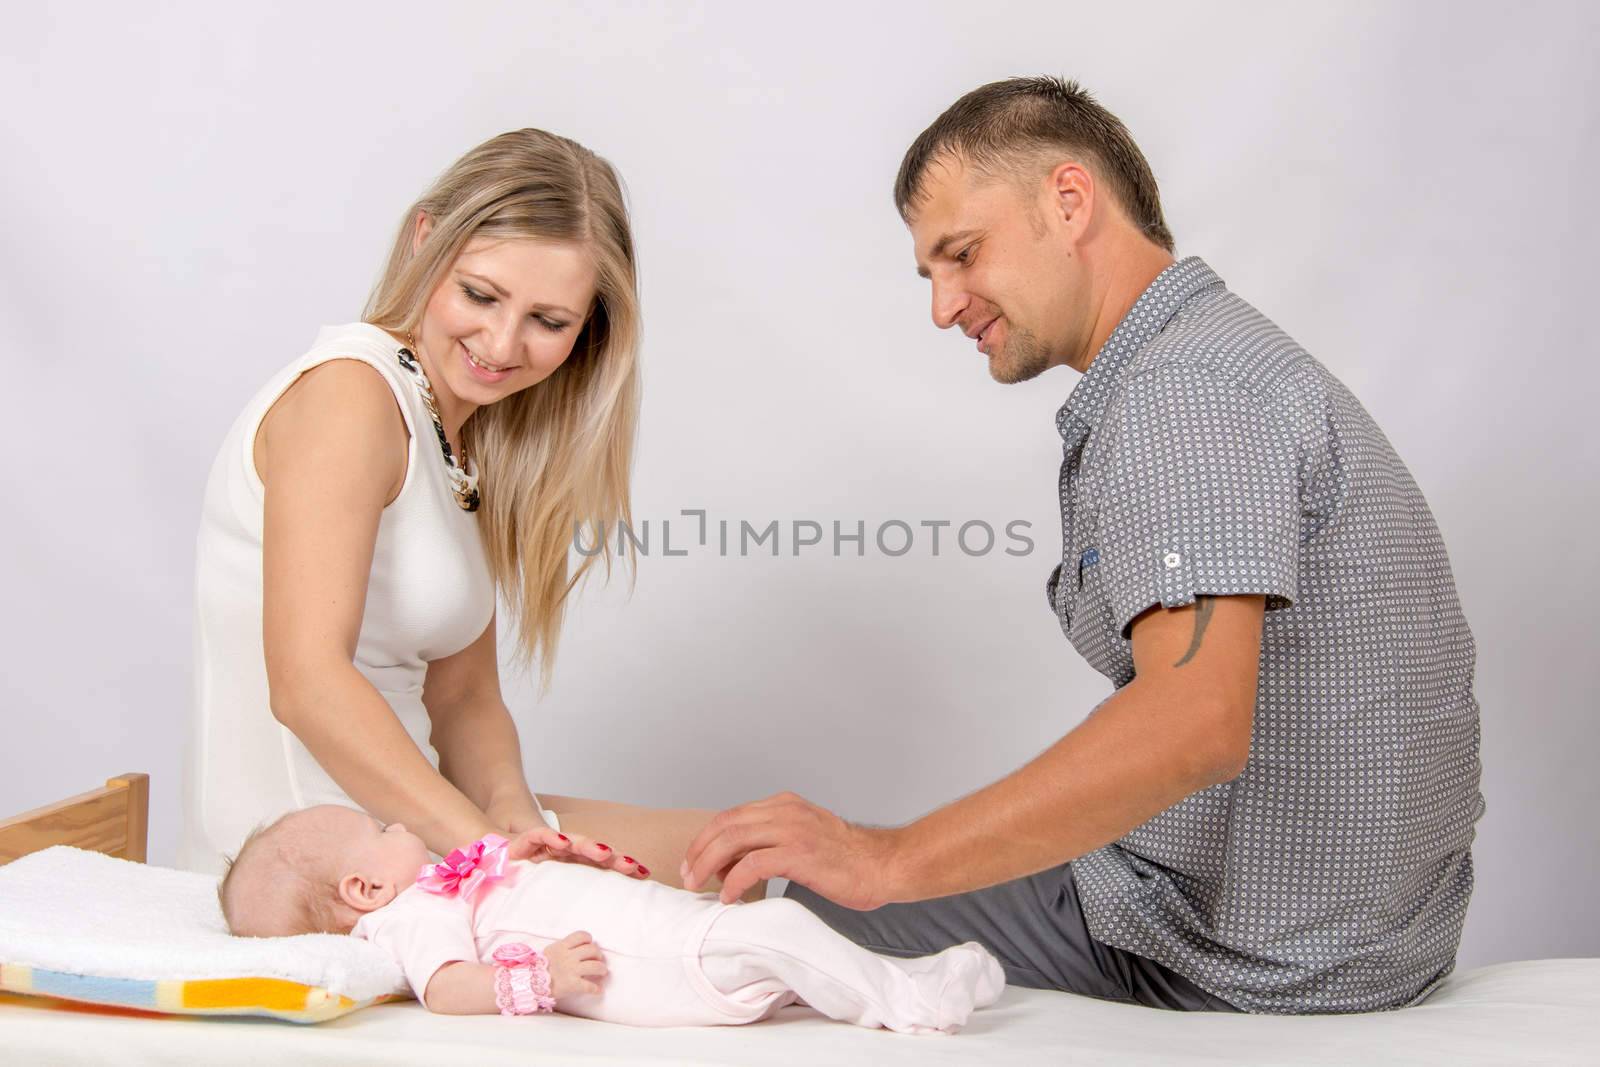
479 750
332 453
480 753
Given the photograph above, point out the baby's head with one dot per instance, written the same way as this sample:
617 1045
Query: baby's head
317 871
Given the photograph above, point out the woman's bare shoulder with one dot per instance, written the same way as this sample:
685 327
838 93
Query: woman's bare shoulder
342 410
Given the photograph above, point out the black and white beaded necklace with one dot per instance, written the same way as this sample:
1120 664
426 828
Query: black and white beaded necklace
463 483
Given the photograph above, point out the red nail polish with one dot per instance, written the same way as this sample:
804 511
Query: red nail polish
644 870
599 845
629 859
565 838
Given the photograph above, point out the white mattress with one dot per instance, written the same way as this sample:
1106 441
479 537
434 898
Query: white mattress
1539 1011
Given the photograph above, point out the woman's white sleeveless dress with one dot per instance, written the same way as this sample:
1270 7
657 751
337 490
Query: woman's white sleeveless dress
430 594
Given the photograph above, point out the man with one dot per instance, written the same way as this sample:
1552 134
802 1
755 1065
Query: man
1274 810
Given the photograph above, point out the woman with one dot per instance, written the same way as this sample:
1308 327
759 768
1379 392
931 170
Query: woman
374 496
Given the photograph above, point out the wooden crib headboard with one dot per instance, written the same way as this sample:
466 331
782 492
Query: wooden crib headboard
114 820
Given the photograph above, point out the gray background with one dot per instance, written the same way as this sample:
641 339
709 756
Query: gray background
189 193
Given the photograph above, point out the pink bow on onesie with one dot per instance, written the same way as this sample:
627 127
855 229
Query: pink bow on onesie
466 872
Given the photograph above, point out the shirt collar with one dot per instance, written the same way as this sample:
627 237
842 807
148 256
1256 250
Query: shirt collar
1156 306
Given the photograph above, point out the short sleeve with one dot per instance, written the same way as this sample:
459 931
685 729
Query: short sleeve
1200 495
423 932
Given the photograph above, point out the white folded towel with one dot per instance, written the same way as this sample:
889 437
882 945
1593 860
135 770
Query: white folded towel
84 913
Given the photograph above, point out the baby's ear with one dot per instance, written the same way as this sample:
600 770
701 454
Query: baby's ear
363 894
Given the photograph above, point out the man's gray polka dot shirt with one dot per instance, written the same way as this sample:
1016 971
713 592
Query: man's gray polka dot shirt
1207 454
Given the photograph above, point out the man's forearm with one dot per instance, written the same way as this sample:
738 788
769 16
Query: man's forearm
1138 754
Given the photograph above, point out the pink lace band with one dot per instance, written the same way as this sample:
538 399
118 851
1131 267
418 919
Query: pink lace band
522 981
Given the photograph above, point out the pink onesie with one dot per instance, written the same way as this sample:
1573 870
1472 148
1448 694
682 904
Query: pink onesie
676 958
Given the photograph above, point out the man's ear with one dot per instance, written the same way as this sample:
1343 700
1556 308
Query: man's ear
364 895
420 232
1071 192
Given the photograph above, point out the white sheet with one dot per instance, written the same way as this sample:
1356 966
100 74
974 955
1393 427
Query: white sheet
1541 1011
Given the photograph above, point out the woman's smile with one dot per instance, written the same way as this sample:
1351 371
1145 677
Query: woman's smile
484 372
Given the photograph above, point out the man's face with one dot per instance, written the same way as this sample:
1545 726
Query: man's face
1000 261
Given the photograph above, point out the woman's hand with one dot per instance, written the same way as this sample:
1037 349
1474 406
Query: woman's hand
576 966
541 843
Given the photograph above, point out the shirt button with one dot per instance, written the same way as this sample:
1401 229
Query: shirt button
1172 560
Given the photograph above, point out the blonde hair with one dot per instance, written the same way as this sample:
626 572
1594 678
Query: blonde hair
555 456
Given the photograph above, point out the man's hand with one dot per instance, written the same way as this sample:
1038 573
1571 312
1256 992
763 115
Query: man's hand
541 843
786 836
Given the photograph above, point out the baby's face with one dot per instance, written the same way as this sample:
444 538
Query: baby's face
319 869
388 857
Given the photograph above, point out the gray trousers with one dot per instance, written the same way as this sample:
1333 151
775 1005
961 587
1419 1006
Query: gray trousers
1034 926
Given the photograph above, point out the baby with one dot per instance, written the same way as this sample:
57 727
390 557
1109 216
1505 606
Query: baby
478 933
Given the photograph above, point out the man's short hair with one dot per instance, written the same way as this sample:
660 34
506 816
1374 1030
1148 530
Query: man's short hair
1019 127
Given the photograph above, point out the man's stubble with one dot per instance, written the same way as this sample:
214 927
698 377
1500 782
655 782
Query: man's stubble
1021 358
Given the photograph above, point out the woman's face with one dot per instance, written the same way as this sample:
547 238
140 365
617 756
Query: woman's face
504 317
